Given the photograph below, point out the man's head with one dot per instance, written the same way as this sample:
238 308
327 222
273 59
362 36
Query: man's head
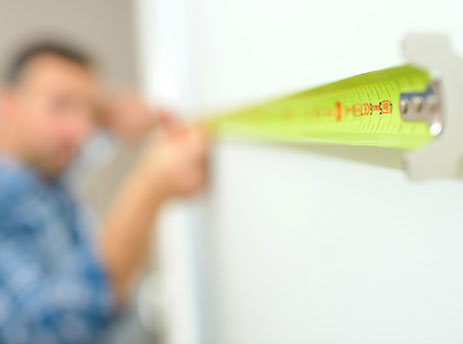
47 106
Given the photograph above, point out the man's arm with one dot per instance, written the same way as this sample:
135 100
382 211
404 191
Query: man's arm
173 165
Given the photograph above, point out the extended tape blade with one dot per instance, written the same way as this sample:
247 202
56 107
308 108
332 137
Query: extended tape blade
360 110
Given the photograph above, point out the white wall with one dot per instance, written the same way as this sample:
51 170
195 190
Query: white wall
310 244
164 36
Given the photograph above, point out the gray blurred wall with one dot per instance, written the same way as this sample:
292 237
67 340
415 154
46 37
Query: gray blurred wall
103 27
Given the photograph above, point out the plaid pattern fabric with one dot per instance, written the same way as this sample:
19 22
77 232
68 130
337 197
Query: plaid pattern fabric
53 288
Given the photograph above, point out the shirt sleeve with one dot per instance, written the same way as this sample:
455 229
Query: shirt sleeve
70 301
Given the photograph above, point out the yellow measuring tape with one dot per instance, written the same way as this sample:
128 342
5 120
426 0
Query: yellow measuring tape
360 110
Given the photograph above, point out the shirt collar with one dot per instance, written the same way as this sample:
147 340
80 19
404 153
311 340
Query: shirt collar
17 171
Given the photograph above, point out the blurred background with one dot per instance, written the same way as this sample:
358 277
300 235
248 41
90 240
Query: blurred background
106 28
288 245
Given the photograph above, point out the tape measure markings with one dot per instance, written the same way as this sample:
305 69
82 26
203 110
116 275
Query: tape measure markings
360 110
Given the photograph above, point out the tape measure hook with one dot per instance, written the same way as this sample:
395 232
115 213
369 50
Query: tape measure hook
443 157
424 106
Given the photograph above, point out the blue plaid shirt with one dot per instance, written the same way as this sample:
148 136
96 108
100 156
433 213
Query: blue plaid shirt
53 288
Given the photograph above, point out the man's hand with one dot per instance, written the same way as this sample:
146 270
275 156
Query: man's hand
178 159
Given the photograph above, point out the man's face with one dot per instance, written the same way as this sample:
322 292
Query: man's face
50 112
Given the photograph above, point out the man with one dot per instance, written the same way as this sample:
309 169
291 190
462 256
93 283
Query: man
60 282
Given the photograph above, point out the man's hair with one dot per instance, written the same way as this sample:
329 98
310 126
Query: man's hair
30 52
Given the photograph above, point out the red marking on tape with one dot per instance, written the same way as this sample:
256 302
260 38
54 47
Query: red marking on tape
358 110
338 111
366 109
386 106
